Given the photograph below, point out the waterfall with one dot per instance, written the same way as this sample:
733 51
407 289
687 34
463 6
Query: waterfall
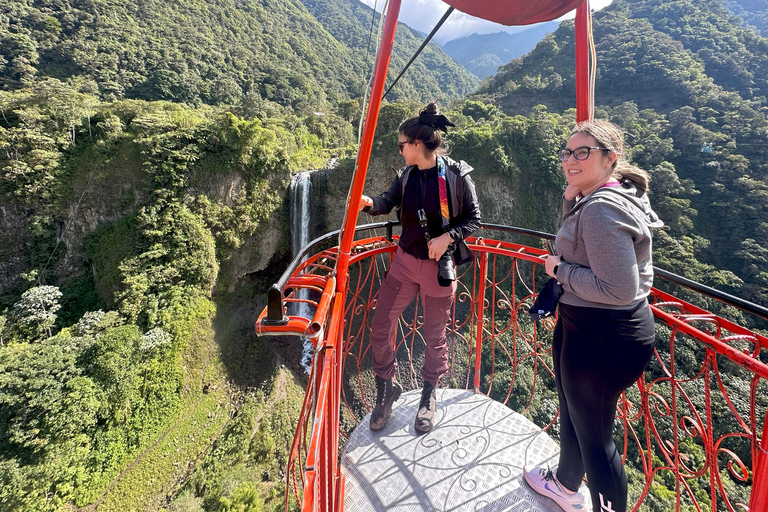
301 186
300 194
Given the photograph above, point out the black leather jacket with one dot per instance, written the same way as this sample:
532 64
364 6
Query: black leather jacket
412 187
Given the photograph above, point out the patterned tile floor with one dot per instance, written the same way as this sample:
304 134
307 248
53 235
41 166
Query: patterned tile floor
472 460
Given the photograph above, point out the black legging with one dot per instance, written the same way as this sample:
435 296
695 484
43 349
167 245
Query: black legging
597 353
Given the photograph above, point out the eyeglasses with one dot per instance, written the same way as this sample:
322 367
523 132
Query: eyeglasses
581 153
401 144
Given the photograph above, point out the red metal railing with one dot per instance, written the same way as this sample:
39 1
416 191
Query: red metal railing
692 430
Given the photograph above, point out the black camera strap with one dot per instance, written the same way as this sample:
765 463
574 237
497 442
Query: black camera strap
422 213
420 197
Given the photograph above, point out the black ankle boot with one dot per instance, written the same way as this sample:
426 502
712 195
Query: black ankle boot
387 393
425 417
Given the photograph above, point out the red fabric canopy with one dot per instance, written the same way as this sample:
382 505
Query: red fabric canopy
515 12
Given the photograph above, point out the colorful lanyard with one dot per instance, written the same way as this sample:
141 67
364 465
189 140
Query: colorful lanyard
443 188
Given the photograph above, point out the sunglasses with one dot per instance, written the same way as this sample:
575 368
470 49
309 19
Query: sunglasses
401 144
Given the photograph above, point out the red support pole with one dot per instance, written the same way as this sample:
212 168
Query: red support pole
583 107
758 500
364 154
482 274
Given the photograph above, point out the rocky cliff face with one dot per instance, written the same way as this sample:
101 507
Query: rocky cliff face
268 240
261 254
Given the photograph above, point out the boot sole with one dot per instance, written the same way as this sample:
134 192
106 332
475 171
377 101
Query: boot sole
423 430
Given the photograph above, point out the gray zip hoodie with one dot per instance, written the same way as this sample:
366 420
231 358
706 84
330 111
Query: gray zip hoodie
605 245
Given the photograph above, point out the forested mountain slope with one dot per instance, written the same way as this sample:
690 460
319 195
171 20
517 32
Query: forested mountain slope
645 47
214 52
689 84
753 13
432 75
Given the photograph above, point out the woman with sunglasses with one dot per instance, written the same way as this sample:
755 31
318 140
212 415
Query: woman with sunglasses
438 209
604 335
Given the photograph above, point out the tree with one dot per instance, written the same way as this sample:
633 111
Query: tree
34 315
49 411
114 367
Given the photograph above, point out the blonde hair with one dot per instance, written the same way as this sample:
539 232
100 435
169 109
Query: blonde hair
610 136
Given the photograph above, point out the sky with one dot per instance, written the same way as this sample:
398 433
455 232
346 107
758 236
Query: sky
423 15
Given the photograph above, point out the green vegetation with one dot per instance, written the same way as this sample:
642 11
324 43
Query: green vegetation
145 157
289 53
125 213
432 75
752 12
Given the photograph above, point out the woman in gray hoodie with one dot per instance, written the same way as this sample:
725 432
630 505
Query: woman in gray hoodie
604 336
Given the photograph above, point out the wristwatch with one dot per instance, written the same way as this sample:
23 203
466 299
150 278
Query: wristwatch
554 269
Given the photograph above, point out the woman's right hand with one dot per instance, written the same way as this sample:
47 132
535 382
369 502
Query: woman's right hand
365 202
550 260
571 191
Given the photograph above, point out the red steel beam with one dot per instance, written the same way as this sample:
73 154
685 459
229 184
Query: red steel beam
347 233
582 62
758 500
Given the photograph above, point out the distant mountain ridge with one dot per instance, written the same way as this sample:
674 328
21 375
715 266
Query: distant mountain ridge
752 12
643 47
483 54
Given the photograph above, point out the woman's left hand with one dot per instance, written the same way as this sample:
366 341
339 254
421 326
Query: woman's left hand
550 260
438 246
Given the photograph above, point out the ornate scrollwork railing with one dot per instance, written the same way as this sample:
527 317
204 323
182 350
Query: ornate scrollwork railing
691 431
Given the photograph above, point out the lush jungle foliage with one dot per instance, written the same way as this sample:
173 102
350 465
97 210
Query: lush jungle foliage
752 12
211 52
129 372
84 392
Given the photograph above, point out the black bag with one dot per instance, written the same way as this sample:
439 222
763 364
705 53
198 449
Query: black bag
546 302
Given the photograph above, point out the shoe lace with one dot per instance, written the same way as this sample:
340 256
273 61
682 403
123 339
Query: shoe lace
547 474
426 395
381 390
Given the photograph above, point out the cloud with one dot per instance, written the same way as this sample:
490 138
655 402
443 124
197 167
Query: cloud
423 15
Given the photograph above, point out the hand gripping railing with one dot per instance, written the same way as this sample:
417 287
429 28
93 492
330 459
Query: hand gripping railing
694 425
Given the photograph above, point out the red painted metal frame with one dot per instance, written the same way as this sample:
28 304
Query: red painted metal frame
682 423
321 480
583 106
366 143
489 322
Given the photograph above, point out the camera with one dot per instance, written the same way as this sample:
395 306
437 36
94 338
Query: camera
446 270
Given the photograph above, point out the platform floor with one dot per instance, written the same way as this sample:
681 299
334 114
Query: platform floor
472 460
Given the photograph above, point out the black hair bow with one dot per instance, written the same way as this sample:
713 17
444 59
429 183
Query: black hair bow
437 121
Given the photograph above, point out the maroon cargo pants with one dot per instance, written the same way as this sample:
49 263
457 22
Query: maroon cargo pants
406 277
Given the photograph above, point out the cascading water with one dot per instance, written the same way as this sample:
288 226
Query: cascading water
300 193
301 186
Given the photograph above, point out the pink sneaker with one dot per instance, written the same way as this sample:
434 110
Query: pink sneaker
543 481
